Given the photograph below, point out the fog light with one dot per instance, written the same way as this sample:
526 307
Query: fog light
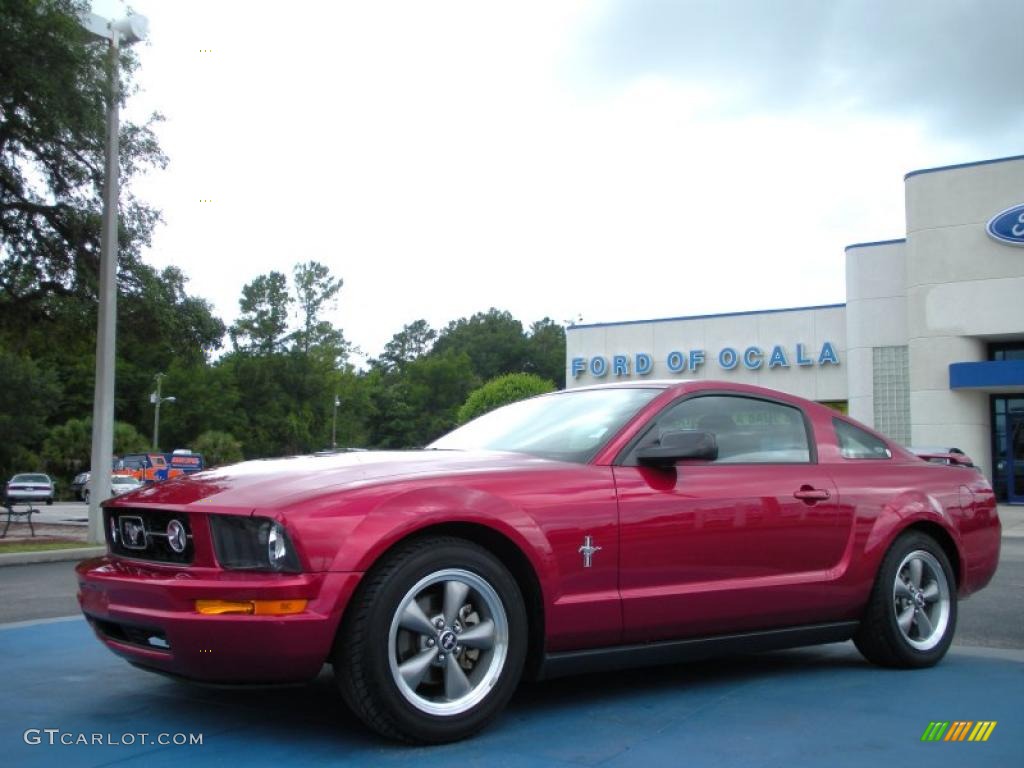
258 607
217 607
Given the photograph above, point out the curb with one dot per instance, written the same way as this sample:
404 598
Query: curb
51 556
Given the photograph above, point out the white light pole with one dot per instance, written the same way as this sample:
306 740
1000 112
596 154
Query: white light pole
129 30
155 399
334 426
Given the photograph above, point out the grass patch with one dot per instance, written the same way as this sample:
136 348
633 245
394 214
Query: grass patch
7 547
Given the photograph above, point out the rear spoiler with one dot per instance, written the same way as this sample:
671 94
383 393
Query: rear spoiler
941 457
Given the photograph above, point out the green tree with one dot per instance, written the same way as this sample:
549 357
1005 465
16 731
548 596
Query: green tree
261 382
414 340
159 326
68 446
54 87
500 391
53 94
353 392
545 351
494 342
28 395
262 324
207 398
420 404
218 448
127 439
316 291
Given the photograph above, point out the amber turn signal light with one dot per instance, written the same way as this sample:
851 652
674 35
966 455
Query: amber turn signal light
257 607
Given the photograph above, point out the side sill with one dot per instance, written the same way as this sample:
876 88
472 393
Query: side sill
675 651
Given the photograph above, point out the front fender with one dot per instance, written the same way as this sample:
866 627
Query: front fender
405 514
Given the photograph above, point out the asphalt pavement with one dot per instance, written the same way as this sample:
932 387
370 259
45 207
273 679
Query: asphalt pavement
38 591
810 707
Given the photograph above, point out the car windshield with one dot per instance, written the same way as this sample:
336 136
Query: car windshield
568 426
30 479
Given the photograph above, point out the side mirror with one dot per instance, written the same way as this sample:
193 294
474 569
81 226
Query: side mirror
679 444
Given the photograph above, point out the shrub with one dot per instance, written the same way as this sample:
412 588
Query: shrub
502 390
218 448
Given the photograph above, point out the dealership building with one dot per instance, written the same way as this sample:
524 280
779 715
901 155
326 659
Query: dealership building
928 348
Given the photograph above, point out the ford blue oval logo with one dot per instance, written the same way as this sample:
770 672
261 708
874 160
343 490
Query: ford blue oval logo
1008 226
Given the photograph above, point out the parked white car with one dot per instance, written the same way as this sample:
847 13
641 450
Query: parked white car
29 487
119 484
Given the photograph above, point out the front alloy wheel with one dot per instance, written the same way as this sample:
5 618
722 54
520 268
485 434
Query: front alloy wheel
433 643
448 642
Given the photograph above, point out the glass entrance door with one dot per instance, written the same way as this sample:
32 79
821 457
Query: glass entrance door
1015 458
1008 448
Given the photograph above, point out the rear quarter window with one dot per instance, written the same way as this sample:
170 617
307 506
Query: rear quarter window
855 443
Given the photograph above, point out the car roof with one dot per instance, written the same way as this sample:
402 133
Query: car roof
643 384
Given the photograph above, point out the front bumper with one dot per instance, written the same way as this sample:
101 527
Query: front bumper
146 613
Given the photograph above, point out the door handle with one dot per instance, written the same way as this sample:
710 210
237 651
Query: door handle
806 493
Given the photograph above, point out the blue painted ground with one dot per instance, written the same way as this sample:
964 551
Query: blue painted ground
821 706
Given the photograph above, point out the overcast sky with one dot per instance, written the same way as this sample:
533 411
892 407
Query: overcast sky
622 159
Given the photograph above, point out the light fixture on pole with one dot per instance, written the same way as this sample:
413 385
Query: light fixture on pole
129 30
334 425
156 400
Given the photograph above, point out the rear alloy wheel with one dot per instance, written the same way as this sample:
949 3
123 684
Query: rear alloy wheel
911 616
435 642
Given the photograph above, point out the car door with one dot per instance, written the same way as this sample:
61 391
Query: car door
739 543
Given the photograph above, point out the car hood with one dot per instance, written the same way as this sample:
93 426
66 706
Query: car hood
276 482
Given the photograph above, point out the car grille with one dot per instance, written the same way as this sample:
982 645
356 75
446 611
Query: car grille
143 534
131 634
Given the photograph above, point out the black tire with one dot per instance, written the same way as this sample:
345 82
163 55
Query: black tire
49 502
85 496
880 638
367 654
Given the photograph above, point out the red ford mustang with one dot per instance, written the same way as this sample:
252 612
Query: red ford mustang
616 525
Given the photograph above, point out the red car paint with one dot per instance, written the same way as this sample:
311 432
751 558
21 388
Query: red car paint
702 550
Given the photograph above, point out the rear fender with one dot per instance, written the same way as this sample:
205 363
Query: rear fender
908 509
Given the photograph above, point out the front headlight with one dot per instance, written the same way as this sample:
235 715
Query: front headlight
253 543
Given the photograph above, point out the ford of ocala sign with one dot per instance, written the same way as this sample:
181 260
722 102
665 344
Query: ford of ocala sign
728 358
1008 226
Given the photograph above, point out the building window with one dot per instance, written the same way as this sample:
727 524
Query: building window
891 389
1011 351
839 406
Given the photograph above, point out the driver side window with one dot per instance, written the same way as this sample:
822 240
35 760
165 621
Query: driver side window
748 430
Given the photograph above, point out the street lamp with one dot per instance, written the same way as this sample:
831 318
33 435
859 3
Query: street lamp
129 30
334 425
155 399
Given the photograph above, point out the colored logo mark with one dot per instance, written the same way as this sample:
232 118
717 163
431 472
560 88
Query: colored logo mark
1008 226
959 730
